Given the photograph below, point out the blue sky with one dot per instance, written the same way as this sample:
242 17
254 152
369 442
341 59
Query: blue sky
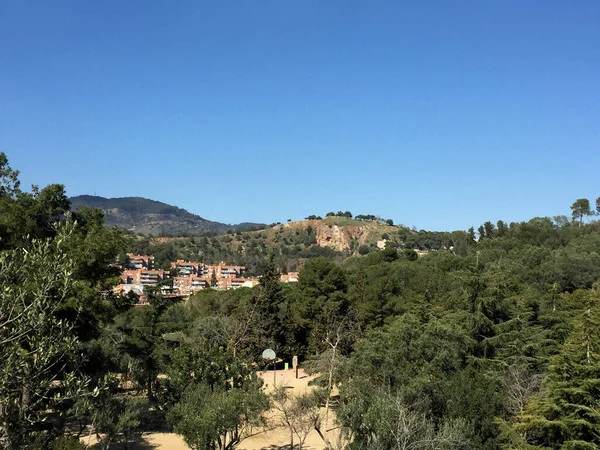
438 114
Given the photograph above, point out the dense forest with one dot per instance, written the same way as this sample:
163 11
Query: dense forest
490 341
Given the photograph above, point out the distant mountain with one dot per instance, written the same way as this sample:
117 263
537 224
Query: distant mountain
152 218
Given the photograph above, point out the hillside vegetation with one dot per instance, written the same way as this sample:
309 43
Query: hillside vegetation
293 243
152 218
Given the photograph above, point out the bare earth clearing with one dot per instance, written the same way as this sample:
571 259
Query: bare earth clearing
261 439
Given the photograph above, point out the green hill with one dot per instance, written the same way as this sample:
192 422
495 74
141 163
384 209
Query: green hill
152 218
293 243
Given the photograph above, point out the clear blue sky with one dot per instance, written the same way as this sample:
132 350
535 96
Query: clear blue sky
439 114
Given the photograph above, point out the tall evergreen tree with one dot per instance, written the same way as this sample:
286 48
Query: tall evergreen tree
269 302
567 416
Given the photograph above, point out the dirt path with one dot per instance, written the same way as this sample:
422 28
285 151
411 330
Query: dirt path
261 439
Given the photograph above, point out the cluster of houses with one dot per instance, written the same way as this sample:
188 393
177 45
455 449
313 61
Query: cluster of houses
188 277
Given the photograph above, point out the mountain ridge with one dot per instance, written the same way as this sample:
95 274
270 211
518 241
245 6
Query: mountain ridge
154 218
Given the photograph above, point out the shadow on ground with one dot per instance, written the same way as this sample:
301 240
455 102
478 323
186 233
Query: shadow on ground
138 443
285 447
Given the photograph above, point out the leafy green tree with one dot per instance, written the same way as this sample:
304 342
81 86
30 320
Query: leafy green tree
390 254
320 299
489 229
9 178
142 338
481 232
580 208
410 254
112 416
389 222
123 259
502 228
211 396
40 354
217 419
30 215
471 235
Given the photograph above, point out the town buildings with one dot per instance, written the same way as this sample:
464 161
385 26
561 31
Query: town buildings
184 278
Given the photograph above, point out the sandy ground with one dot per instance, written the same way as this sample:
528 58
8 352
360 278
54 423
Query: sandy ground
268 439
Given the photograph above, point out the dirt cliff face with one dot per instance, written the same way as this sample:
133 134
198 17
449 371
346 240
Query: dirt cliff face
339 237
332 236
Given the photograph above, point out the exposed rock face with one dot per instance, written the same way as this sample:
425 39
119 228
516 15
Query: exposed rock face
332 236
340 237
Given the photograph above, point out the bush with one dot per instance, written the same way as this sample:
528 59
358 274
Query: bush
68 443
390 254
410 254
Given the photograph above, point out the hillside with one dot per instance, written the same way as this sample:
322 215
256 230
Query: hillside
152 218
292 243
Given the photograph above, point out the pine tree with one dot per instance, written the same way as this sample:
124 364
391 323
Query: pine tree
567 417
269 306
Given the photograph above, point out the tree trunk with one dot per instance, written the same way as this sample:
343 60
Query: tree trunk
149 388
329 383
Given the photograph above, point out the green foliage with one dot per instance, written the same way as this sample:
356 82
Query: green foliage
376 419
216 419
565 415
113 417
9 178
477 344
410 254
581 208
142 338
39 352
211 396
67 443
153 218
320 299
271 308
364 249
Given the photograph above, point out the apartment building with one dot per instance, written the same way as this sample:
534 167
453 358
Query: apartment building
192 276
229 283
188 268
139 262
144 277
189 285
223 271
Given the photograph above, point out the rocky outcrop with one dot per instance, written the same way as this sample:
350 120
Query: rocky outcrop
341 237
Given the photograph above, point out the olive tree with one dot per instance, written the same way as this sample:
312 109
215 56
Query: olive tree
39 352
